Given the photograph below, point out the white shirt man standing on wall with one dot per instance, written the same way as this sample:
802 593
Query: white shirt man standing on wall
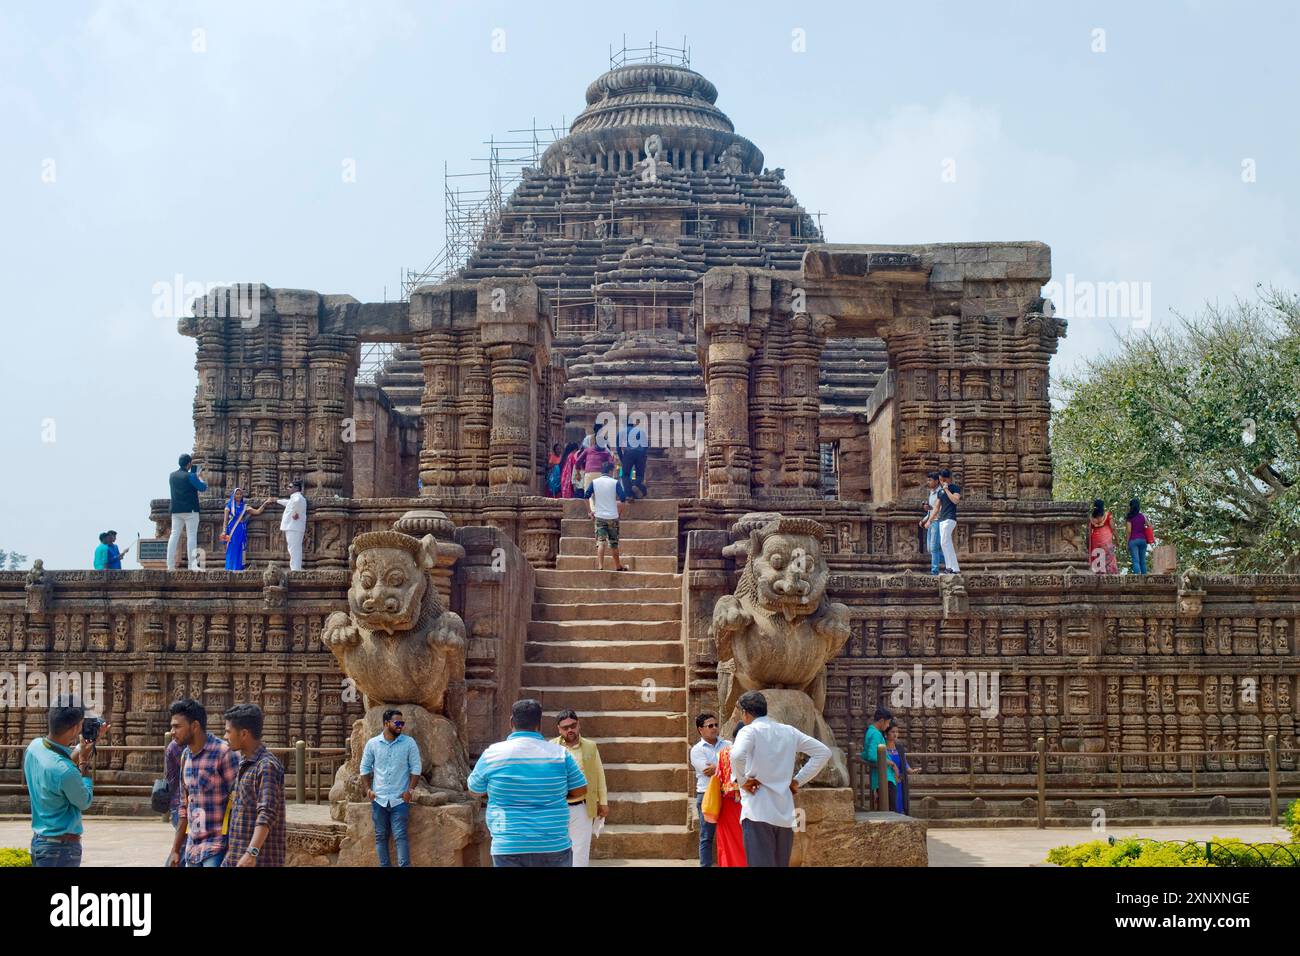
294 523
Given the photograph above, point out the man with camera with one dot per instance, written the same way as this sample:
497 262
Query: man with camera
59 785
185 487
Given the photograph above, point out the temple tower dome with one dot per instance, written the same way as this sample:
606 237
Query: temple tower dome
629 104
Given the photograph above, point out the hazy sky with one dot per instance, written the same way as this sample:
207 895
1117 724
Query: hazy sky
1146 143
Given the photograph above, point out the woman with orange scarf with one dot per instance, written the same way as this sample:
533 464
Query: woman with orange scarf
722 806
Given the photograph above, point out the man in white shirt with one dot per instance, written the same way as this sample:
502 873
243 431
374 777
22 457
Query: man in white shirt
704 760
762 761
294 523
605 508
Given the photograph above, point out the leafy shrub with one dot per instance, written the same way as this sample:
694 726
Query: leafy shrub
1132 851
1291 820
12 856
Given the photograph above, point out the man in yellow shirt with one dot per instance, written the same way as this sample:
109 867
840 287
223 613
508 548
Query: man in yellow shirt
582 813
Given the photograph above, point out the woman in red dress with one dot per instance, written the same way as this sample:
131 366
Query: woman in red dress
1101 540
730 842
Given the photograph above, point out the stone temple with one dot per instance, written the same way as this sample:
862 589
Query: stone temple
796 392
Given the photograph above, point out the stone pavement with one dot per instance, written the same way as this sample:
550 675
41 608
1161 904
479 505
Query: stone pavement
123 841
1015 846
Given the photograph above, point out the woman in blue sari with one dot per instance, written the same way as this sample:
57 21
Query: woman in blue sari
236 529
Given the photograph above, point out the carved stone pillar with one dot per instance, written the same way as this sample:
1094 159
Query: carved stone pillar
723 297
514 329
455 386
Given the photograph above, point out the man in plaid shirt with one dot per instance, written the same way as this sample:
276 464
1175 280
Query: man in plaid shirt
257 828
208 770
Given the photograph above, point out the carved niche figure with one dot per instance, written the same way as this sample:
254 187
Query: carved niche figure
606 315
778 631
650 168
572 164
732 160
529 228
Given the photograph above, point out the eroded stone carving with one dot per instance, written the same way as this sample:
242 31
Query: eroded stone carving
778 631
402 648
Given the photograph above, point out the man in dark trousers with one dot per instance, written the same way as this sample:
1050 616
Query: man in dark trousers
762 761
633 446
185 487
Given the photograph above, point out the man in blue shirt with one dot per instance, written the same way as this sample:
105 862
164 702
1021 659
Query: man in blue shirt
390 769
633 446
529 783
107 557
59 788
876 738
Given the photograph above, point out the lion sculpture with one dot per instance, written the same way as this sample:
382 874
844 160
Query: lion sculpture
778 630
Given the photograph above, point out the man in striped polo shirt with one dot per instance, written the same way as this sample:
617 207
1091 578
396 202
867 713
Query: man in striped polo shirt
529 783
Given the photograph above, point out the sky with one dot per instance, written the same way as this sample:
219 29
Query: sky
146 145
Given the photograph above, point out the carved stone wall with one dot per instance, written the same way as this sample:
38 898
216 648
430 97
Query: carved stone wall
275 386
226 638
969 347
760 360
1092 663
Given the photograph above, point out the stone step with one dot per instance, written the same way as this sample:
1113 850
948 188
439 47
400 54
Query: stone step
577 652
647 776
648 806
628 547
629 528
623 611
606 630
645 509
597 673
642 750
646 842
605 580
628 723
633 562
554 597
636 697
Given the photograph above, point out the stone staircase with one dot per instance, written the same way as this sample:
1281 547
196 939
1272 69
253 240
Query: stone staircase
609 645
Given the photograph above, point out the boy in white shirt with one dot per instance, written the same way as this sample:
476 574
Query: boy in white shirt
605 507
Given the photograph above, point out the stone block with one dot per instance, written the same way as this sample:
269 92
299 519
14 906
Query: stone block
833 834
439 836
972 254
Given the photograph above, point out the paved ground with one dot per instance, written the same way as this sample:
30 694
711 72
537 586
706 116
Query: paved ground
119 841
1025 847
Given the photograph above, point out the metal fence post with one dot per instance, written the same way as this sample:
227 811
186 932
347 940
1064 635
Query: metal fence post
300 771
882 778
1271 744
1041 746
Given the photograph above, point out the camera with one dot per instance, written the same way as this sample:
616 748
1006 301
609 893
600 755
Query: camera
90 728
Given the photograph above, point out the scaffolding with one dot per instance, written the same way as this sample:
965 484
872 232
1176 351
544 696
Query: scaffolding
472 202
653 53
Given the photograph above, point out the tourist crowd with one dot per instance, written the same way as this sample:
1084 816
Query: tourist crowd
226 796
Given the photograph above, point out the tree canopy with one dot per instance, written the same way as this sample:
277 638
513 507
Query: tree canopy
1201 421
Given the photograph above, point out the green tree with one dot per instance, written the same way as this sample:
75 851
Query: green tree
1201 421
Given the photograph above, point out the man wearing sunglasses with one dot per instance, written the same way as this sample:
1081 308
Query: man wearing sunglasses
390 769
704 760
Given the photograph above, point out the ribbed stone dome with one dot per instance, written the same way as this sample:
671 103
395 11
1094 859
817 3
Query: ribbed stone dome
629 103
